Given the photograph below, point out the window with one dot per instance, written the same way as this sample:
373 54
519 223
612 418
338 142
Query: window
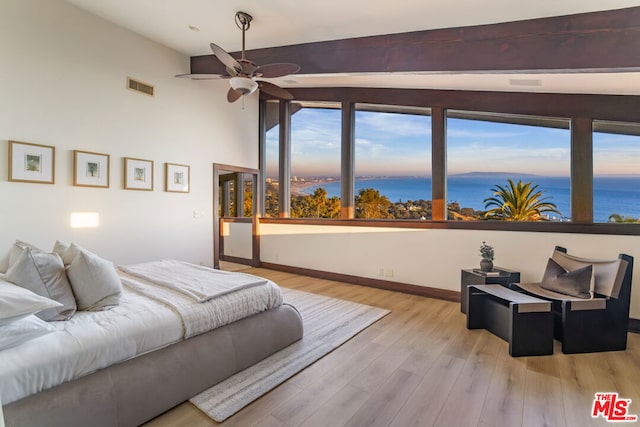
315 161
616 172
392 162
485 151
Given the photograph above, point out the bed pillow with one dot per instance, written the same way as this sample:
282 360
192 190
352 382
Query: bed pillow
67 251
44 274
61 248
17 302
22 330
576 283
4 263
16 251
94 281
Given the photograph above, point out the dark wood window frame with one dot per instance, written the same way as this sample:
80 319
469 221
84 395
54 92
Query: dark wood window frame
581 109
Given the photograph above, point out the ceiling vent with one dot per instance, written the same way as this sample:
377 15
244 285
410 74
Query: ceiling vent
139 86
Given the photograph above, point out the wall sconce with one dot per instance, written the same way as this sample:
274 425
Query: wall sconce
85 219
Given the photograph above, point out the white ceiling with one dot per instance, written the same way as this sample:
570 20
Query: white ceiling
285 22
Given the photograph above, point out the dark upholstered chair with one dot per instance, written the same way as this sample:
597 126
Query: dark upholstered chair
596 324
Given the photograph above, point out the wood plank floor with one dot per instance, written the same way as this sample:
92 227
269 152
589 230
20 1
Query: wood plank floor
420 366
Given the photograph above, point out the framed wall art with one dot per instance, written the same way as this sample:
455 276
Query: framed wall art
31 162
138 174
177 178
90 169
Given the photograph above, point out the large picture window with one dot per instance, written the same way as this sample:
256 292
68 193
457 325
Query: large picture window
507 167
315 161
490 166
616 172
392 162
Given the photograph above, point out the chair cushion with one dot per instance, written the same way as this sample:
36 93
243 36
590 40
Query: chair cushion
575 283
608 275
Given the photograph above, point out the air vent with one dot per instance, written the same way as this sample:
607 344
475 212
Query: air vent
139 86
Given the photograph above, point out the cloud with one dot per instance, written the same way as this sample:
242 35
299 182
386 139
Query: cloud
392 125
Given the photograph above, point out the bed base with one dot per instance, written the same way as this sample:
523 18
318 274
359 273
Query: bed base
137 390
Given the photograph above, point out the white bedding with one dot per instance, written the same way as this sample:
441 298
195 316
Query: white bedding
94 340
195 281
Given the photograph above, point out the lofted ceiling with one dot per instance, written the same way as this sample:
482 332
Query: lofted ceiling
189 26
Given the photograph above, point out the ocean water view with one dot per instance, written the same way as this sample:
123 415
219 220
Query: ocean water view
619 195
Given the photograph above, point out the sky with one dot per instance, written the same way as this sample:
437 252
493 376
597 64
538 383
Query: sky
391 144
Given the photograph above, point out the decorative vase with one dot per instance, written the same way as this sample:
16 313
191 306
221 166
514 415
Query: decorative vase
486 265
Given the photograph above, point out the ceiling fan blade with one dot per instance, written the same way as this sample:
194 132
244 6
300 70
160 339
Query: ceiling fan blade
276 70
274 90
202 76
228 60
233 95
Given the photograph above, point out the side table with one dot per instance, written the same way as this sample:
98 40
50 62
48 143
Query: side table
474 277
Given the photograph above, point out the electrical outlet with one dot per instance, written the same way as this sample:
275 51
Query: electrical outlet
381 272
388 272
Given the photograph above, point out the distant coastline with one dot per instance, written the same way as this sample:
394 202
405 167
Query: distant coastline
307 186
612 194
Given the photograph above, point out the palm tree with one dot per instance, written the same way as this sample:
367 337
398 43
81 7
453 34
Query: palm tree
518 202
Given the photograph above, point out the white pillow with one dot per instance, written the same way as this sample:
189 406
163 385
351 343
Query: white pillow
17 302
16 251
22 330
71 253
44 274
4 263
60 248
95 282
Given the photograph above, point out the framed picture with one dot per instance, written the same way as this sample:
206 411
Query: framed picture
138 174
177 178
31 162
90 169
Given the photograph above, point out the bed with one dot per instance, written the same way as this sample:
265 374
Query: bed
154 350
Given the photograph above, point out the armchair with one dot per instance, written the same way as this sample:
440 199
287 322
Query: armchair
599 323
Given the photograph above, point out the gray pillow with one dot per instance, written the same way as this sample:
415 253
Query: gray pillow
95 282
43 274
576 283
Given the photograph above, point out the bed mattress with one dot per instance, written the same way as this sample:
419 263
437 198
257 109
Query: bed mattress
94 340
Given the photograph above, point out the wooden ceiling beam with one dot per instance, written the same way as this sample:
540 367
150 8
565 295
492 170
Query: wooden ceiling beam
597 41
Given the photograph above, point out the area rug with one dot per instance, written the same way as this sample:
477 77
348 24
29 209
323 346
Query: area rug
328 323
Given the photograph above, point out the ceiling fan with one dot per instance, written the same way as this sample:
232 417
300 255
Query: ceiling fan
244 75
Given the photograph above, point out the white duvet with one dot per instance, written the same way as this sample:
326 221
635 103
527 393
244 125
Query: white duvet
94 340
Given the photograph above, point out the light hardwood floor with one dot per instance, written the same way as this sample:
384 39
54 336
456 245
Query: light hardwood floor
420 366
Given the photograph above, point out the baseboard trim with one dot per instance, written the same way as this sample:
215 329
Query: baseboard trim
237 260
387 285
406 288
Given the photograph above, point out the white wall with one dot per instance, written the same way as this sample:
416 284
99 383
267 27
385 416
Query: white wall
431 258
238 240
62 83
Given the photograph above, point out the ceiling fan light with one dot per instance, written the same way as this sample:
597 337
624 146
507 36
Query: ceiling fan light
244 85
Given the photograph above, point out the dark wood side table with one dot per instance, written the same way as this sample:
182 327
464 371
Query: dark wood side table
473 277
